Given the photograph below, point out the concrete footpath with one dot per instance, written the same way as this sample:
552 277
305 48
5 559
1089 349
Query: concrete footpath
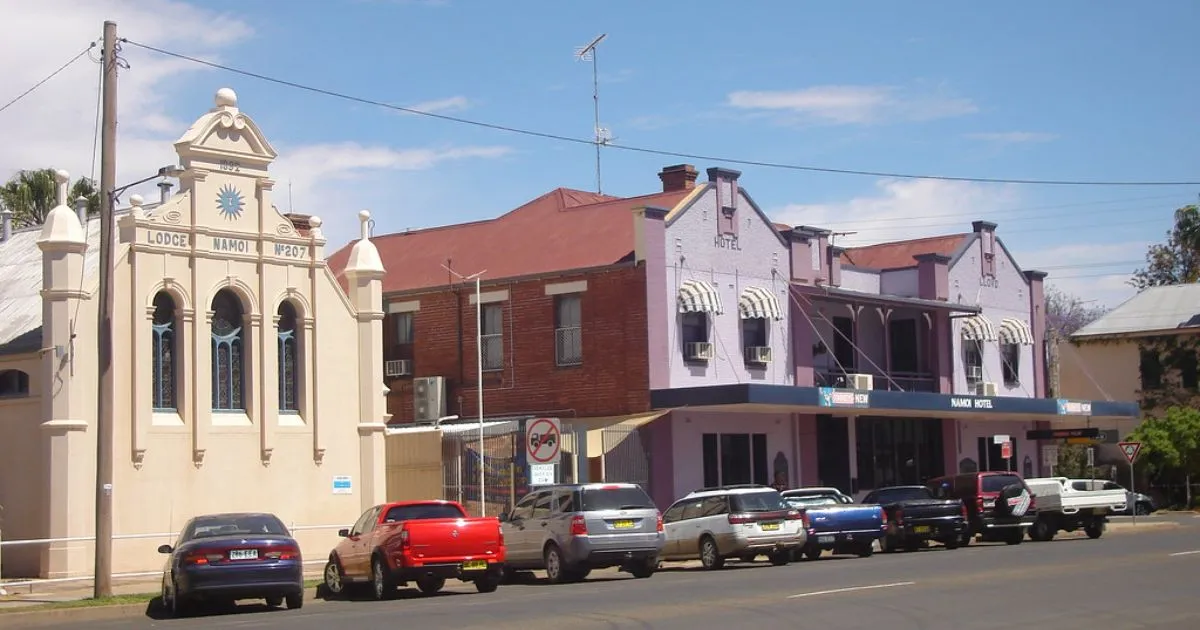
47 602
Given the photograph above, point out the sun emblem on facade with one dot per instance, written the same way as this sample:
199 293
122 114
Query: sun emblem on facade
229 202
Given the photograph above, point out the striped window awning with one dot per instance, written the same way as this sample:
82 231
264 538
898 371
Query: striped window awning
1015 331
759 303
699 296
978 328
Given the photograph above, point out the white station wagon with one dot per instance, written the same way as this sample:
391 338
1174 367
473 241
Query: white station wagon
741 522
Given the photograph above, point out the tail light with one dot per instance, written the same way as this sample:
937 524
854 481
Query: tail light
578 526
966 515
899 515
795 515
287 552
1032 502
202 558
659 524
405 541
738 519
500 535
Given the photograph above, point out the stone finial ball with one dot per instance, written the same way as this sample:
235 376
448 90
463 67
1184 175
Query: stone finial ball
364 215
62 176
136 200
315 222
226 98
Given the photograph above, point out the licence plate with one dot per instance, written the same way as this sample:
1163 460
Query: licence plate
921 529
474 565
824 539
243 554
770 527
623 524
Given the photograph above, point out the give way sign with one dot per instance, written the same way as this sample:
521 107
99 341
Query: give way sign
543 440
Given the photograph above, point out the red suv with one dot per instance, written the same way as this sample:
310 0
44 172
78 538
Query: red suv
999 505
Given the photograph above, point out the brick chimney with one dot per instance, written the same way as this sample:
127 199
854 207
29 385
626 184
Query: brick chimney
678 177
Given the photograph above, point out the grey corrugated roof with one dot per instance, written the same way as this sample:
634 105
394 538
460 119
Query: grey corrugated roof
21 284
1154 309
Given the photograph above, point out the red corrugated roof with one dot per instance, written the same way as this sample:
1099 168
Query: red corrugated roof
561 230
900 253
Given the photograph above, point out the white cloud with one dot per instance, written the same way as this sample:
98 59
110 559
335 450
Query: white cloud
1012 137
337 180
452 104
902 209
54 126
1091 271
853 104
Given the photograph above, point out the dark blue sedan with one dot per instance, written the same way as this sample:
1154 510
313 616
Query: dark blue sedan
220 558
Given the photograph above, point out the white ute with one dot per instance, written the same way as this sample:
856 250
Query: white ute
1062 508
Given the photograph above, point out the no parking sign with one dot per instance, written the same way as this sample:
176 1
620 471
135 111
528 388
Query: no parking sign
543 440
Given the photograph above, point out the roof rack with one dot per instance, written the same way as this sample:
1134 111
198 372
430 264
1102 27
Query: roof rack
737 486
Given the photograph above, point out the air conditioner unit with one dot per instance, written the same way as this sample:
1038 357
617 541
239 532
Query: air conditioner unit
399 367
698 350
975 372
429 398
985 389
760 355
862 381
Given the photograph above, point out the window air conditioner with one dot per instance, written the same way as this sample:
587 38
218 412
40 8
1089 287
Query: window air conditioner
399 367
862 381
698 350
759 355
985 389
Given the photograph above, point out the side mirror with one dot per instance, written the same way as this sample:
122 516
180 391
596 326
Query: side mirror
343 533
165 549
504 517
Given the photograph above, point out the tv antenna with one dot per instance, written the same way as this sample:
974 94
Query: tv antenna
602 135
833 236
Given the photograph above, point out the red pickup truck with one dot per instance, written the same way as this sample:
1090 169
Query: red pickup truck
417 541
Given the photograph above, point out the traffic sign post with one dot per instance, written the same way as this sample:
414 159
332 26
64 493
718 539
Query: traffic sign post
543 440
1006 451
1131 450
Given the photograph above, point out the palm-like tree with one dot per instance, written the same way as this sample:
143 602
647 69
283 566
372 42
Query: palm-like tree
30 195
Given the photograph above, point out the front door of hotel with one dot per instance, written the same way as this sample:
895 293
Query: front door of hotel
991 455
898 451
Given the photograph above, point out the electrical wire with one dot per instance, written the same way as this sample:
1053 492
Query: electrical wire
48 77
1002 211
647 150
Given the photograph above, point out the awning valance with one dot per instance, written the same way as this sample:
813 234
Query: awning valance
699 296
759 303
1015 331
978 328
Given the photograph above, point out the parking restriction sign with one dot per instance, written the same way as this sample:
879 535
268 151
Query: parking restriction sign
543 437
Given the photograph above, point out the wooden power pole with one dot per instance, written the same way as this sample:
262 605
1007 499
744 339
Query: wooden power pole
105 390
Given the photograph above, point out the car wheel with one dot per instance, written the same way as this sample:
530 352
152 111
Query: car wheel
1041 531
780 558
1015 537
1094 530
812 552
430 585
710 556
335 579
274 601
866 550
887 544
381 579
295 601
552 558
179 606
951 543
1141 509
487 583
644 568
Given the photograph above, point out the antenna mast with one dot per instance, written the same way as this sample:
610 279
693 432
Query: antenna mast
602 136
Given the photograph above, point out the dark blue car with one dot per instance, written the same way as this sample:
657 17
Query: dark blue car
220 558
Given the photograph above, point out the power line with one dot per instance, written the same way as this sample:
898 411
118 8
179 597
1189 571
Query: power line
48 77
1002 211
646 150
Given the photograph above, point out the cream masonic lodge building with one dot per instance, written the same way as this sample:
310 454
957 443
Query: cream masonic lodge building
245 377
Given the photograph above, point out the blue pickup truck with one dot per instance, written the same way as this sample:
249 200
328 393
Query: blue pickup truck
836 523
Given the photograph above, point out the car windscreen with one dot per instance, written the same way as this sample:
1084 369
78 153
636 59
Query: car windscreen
812 500
892 495
996 483
421 512
757 502
621 498
243 525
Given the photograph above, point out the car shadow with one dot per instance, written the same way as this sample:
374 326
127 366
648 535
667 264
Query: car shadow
363 594
731 566
156 611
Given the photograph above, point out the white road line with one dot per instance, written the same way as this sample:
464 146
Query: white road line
850 589
1184 553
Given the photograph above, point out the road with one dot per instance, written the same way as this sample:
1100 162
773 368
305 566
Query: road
1143 579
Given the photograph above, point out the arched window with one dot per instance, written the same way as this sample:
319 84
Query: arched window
289 353
13 383
163 364
228 352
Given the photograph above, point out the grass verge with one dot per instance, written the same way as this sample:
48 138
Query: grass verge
92 602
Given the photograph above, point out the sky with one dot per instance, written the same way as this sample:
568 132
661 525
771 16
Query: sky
1070 90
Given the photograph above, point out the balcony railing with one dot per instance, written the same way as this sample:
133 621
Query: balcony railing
903 381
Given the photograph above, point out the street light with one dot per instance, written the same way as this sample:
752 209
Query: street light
105 392
478 377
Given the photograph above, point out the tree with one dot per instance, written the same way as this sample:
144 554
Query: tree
1065 314
31 195
1177 261
1171 446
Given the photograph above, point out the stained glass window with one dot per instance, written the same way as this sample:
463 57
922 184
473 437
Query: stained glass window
228 359
163 363
289 350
